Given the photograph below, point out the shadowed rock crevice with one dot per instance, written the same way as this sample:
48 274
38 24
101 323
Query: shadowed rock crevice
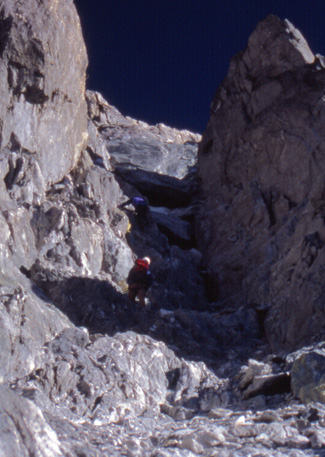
161 190
5 26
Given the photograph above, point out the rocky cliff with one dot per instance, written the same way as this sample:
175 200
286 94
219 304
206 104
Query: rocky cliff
261 162
83 372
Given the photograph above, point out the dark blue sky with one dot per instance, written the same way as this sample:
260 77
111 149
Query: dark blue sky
163 60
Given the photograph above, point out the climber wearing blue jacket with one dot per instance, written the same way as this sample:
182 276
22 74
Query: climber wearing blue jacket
141 209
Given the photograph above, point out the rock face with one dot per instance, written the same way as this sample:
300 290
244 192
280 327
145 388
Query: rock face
261 163
83 371
42 93
43 130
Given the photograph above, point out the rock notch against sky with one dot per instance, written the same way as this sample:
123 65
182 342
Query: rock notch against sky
83 373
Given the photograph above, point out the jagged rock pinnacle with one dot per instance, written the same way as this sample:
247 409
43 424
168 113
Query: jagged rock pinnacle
261 162
276 47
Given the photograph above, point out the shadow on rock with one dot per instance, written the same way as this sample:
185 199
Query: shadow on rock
177 312
89 302
193 335
161 190
145 237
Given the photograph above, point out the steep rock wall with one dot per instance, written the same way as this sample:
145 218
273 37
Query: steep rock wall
43 128
261 164
42 86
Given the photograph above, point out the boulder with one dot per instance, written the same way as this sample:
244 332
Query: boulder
308 374
177 230
261 164
269 385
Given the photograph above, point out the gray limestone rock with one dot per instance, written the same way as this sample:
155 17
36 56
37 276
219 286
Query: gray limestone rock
158 149
308 374
27 322
23 428
158 160
260 225
42 94
83 371
178 230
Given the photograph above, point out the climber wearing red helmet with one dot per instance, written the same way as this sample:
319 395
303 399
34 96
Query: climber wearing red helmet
139 280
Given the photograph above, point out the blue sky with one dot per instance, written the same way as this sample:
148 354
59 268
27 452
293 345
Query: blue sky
163 60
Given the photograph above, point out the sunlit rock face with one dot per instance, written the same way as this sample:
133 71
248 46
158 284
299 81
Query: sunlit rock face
43 128
42 87
261 164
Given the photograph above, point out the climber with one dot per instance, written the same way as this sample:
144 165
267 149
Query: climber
139 280
141 209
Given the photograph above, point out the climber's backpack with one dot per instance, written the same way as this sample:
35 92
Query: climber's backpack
139 273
